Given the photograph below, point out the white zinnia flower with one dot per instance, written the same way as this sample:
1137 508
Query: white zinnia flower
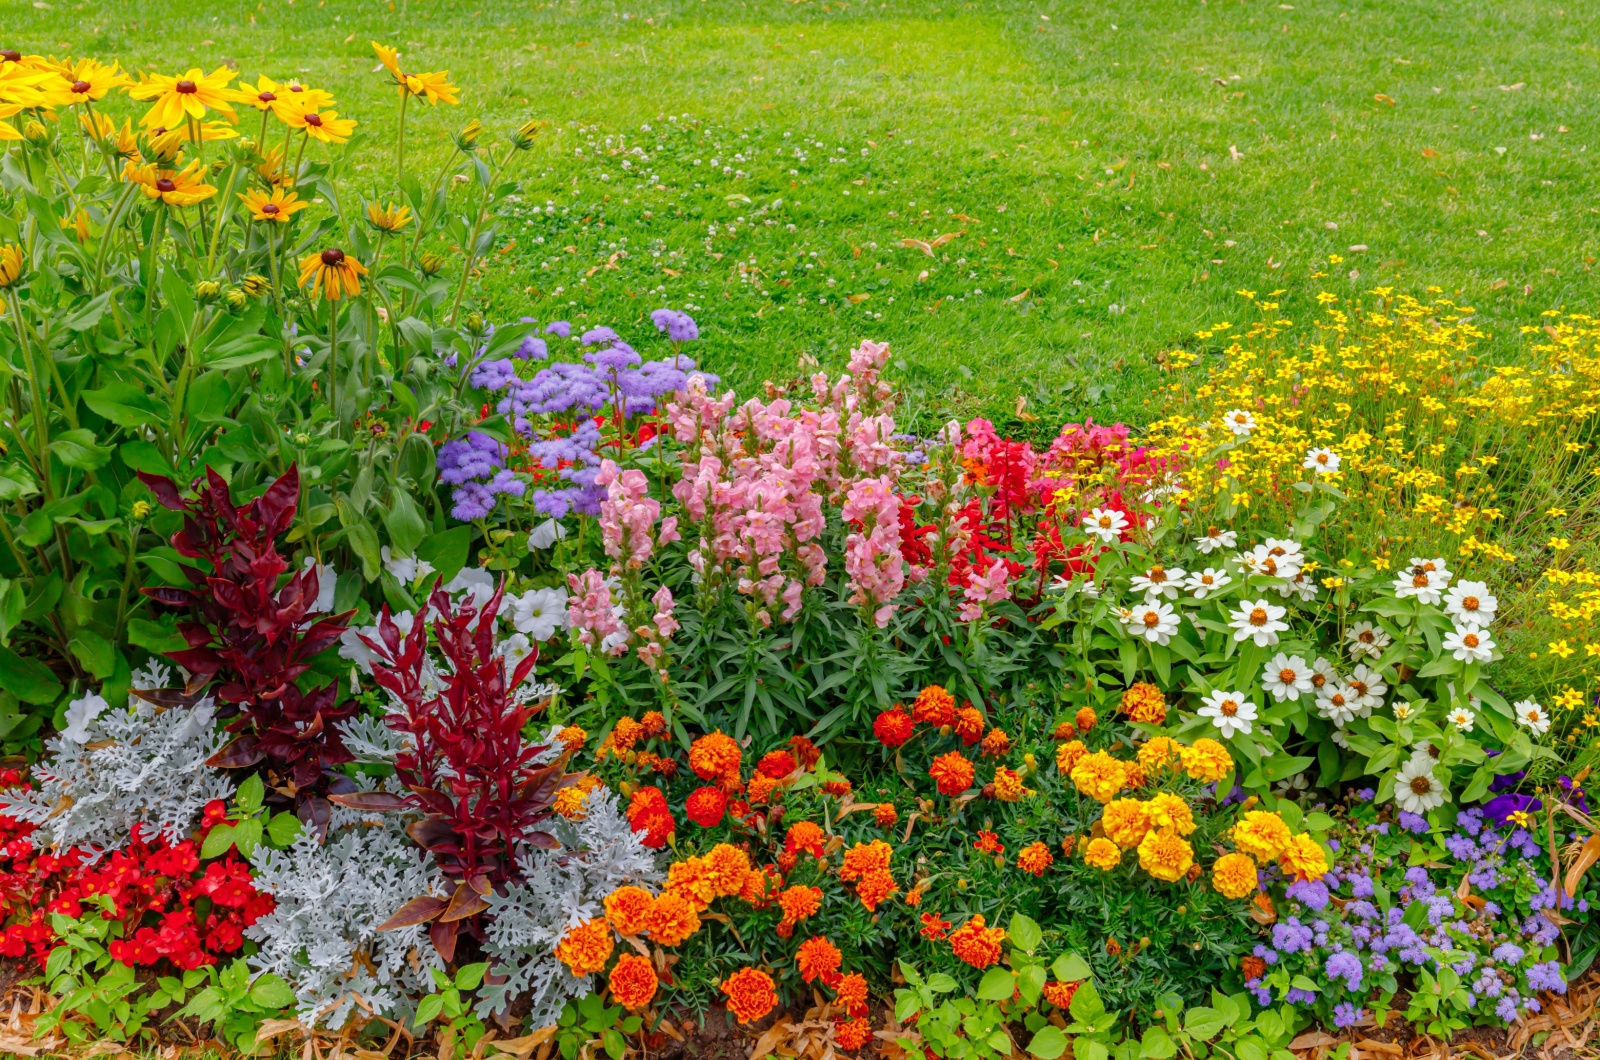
1366 639
1469 645
1258 620
1531 714
1272 561
1205 582
406 569
546 534
539 612
1229 712
1215 539
1462 719
1426 586
1153 620
1159 581
1105 523
1338 704
1368 686
1286 676
1471 604
1416 789
1323 674
1322 461
1240 422
1402 711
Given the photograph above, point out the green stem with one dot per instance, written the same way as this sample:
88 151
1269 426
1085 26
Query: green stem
400 141
41 419
222 215
333 362
299 155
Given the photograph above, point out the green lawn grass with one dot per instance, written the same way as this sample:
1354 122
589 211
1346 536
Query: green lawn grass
1115 172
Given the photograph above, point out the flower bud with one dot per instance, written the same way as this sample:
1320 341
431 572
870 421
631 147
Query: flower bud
206 291
255 285
468 136
236 299
523 138
430 263
35 133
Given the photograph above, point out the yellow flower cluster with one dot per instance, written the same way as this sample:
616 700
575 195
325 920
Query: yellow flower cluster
1261 836
1155 828
1101 777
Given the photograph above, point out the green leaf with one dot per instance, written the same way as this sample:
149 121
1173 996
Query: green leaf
1304 983
271 992
428 1009
79 449
97 654
1048 1044
1086 1005
1251 1047
616 1044
404 523
155 637
284 829
248 797
996 985
218 841
247 835
209 398
1025 933
1204 1023
469 976
447 551
124 405
28 679
1157 1044
1089 1049
1070 968
941 983
906 1003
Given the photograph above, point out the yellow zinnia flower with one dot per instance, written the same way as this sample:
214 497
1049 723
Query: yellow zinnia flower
333 273
435 87
11 262
174 187
326 126
178 99
280 206
389 218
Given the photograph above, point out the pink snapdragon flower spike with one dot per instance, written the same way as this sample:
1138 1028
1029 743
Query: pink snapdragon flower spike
984 587
628 515
592 613
872 558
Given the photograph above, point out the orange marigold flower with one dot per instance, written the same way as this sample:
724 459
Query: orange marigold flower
1169 813
755 888
934 927
648 813
715 755
692 877
729 866
1144 703
874 888
865 858
628 909
633 981
1303 859
1206 760
706 806
570 799
1103 854
914 896
1126 821
1261 834
934 706
1166 856
586 948
572 736
1008 785
1253 967
977 944
804 837
1067 755
807 752
1099 776
761 788
1085 718
952 772
1133 776
1234 876
1160 752
1065 730
776 764
751 994
1060 994
626 734
988 843
996 743
797 903
654 723
1069 844
851 1034
837 788
673 918
817 957
1035 858
969 724
893 727
885 814
850 992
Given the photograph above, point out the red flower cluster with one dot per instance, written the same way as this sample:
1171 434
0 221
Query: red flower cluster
649 813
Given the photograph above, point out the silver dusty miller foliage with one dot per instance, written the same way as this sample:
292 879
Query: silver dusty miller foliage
559 889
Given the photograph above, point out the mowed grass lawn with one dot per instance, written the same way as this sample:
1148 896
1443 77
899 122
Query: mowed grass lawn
1104 177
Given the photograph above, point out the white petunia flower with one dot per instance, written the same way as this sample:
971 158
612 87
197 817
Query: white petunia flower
1229 711
545 534
1153 620
1105 523
1322 461
1416 789
539 612
1286 676
407 569
1214 539
1258 620
514 649
1469 645
1532 715
1159 581
1471 604
327 582
1367 640
1240 422
80 714
1206 582
476 582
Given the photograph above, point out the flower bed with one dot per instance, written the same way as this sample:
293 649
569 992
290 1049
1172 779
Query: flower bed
384 675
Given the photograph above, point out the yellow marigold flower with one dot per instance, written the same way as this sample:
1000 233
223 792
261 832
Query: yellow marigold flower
1303 858
333 273
1134 776
390 218
729 865
1144 703
995 743
1085 719
586 948
1125 822
673 918
1103 854
1099 776
1169 813
11 264
1008 785
279 206
174 187
178 99
1234 875
572 736
1206 760
1261 834
570 799
435 87
1067 755
694 879
1165 855
1159 752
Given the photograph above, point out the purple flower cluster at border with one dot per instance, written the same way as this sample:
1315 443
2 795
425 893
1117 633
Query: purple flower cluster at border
475 465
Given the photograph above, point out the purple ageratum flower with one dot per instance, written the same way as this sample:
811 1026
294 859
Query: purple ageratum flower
560 329
1296 996
676 326
1347 966
1509 952
1291 936
1362 910
1311 893
1540 929
1507 1009
1470 821
466 463
600 334
494 375
1347 1015
1488 983
616 355
1413 823
532 348
1266 954
1364 794
1547 976
1439 907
